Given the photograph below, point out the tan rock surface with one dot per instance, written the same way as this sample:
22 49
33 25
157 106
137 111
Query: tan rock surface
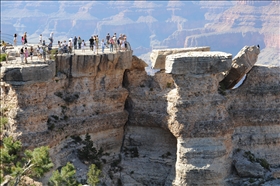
158 56
197 63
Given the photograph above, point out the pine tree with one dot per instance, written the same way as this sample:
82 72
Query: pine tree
66 177
90 153
14 166
93 175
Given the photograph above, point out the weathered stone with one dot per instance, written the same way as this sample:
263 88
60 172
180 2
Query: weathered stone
138 63
158 56
241 65
29 181
28 74
198 63
201 161
276 174
90 65
246 165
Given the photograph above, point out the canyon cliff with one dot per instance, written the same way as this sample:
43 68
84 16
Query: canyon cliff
174 128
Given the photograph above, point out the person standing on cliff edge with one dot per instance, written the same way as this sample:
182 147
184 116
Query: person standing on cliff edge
25 38
25 55
15 40
79 42
40 39
51 37
75 42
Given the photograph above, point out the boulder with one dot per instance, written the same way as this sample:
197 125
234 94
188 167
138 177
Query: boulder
158 56
138 63
246 165
198 63
241 65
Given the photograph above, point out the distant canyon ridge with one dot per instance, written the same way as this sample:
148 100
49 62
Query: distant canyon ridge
225 26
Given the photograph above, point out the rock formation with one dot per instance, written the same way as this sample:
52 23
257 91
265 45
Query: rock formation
173 128
241 65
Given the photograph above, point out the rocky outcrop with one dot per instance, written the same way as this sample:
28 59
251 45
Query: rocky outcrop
241 65
197 63
173 128
158 56
55 101
247 165
187 104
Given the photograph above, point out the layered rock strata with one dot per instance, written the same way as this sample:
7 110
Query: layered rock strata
174 128
73 95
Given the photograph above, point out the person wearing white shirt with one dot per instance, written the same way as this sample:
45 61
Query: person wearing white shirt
70 46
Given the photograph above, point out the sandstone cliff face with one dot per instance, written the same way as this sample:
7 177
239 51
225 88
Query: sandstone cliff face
66 96
174 128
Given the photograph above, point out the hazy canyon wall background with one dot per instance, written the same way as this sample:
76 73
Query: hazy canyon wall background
224 25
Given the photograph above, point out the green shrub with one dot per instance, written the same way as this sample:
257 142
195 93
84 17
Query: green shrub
263 163
53 54
93 175
3 57
251 180
16 163
90 153
3 121
66 176
251 157
168 85
3 110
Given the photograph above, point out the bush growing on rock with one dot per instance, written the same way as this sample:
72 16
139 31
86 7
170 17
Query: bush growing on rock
93 175
15 166
3 57
64 177
90 153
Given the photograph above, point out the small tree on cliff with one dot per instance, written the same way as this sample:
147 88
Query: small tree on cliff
93 175
65 177
90 153
14 165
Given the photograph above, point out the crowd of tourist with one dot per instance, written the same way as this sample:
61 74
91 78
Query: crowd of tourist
114 43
